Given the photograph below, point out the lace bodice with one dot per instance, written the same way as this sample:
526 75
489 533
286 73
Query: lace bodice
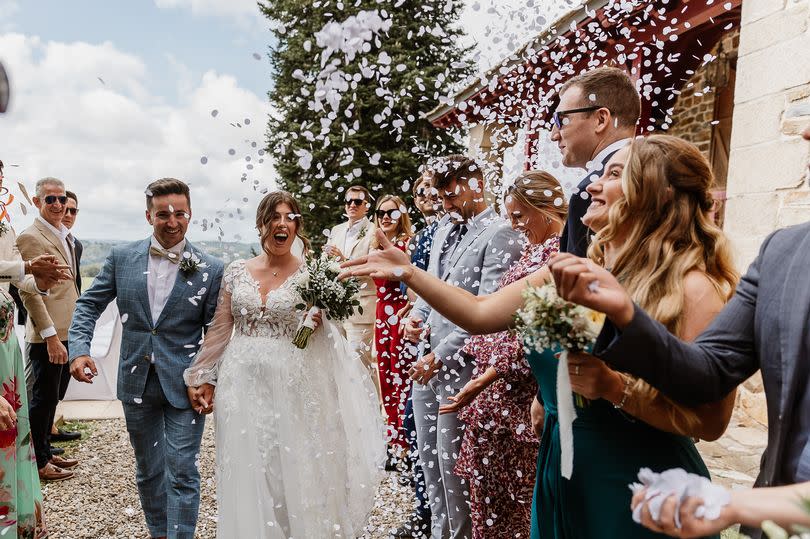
242 313
277 317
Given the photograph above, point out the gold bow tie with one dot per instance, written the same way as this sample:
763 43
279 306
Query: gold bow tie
174 258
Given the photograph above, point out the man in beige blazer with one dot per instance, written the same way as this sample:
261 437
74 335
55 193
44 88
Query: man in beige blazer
49 318
349 240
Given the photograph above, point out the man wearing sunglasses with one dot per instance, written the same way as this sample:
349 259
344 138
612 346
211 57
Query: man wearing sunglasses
49 317
348 240
596 117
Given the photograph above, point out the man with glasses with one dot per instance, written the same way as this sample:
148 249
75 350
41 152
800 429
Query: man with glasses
46 332
595 118
350 240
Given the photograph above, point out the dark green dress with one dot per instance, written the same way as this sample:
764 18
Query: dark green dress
609 449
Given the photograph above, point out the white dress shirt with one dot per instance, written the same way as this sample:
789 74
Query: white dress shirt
351 235
160 279
595 164
68 245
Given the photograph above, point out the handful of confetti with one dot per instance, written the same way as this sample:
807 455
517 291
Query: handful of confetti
320 288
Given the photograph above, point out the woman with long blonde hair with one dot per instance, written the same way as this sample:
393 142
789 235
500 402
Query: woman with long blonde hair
392 219
651 208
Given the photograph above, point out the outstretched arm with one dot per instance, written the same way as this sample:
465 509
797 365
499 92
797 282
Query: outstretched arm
89 307
786 506
476 314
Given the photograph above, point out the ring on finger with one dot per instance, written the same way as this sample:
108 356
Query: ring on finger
576 370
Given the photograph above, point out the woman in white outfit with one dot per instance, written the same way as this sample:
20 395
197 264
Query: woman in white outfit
299 435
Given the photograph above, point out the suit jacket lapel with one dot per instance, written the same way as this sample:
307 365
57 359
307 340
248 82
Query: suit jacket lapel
793 321
467 240
436 250
53 240
140 265
357 239
180 286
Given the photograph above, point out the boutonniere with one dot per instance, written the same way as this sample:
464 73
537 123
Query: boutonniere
191 263
3 228
362 233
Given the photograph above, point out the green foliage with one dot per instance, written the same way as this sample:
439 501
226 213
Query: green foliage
343 142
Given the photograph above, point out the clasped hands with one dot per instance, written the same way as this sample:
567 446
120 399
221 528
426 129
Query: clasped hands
202 398
427 366
47 271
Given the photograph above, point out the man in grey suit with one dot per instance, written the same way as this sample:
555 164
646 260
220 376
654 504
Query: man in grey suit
166 291
471 251
764 327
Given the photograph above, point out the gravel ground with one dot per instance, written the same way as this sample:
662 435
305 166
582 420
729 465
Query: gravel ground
101 502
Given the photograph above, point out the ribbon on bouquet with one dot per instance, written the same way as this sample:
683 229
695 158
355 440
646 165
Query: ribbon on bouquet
567 413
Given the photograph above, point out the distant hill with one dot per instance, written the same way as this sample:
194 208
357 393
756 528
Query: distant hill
95 251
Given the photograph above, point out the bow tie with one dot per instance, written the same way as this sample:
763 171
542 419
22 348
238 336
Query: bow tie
174 258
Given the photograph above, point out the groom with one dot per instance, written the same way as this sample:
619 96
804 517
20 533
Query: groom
166 290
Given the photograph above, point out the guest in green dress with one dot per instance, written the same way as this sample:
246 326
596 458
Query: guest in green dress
20 494
657 235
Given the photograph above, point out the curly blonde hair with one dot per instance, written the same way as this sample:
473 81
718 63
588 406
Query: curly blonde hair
666 230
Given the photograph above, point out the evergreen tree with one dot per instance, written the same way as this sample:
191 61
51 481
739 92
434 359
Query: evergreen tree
376 136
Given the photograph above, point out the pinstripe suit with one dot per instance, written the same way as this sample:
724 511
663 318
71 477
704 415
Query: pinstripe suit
164 431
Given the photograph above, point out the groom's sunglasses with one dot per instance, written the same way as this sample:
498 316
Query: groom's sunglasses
51 199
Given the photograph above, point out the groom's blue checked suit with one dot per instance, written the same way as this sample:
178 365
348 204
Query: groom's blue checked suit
164 430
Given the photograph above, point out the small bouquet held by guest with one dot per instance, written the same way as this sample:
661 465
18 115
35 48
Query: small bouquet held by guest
549 323
547 320
320 288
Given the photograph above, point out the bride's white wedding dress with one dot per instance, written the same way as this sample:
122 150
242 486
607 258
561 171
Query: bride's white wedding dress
299 435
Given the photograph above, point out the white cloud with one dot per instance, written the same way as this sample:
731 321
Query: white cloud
81 112
244 12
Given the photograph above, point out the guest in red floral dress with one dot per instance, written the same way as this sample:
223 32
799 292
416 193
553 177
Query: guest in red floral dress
499 450
391 216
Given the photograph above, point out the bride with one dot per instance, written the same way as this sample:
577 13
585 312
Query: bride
298 434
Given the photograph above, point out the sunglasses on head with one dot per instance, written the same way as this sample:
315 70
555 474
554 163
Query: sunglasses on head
355 201
72 211
390 213
51 199
557 117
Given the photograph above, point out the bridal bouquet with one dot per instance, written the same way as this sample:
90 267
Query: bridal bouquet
546 319
320 288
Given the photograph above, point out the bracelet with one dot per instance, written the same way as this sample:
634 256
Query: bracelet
625 393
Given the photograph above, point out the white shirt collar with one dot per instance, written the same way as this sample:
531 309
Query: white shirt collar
477 220
355 228
61 232
177 249
596 163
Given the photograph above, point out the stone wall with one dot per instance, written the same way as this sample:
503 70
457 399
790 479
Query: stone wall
693 113
766 187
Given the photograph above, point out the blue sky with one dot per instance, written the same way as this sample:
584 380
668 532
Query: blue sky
165 38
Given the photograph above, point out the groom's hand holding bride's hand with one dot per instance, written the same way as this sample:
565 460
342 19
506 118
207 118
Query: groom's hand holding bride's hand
79 368
582 281
202 398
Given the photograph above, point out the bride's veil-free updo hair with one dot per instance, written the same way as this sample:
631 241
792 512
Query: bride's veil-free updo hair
264 217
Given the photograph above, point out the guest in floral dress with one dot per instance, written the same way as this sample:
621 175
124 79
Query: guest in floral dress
499 450
391 216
